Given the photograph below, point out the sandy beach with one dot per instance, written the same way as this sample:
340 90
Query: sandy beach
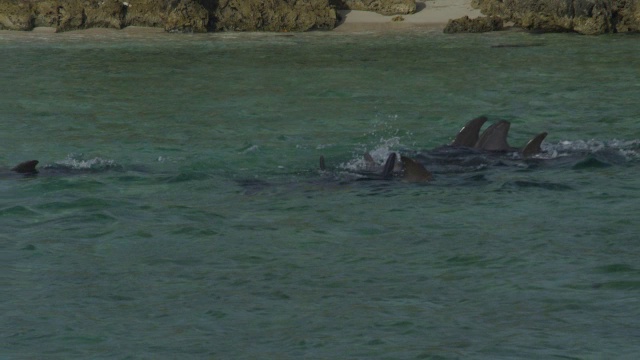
429 14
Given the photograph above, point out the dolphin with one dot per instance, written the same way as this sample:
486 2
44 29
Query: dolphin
26 167
469 151
468 135
413 171
372 171
29 168
406 169
494 138
533 146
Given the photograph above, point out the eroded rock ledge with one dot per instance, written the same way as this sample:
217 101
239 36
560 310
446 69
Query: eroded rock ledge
477 25
188 15
388 7
588 17
172 15
582 16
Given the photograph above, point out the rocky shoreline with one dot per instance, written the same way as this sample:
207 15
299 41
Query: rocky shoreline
589 17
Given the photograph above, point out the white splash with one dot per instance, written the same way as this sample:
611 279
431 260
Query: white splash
379 154
250 149
629 149
76 162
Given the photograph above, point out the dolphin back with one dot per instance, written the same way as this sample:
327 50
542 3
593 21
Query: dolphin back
27 167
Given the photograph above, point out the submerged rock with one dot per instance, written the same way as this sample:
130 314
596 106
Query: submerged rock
384 7
477 25
588 17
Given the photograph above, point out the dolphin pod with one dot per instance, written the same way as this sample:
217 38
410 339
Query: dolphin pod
494 138
469 140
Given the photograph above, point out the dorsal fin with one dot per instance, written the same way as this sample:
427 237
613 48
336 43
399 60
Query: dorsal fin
369 163
414 171
369 159
494 138
533 146
27 167
468 135
322 166
387 171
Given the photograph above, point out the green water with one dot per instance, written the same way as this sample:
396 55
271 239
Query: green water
179 212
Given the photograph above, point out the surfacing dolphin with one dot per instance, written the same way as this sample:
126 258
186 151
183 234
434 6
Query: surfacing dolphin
406 169
468 135
494 138
26 167
66 167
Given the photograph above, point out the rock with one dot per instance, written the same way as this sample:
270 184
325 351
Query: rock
274 15
187 16
73 15
150 13
46 14
105 14
627 16
477 25
384 7
172 15
70 16
16 15
588 17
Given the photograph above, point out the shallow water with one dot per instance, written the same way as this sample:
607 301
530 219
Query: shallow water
179 211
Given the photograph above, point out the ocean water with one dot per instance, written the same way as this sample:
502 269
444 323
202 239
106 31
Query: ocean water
179 211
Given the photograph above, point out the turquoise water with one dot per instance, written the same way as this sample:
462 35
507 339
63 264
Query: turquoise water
179 211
